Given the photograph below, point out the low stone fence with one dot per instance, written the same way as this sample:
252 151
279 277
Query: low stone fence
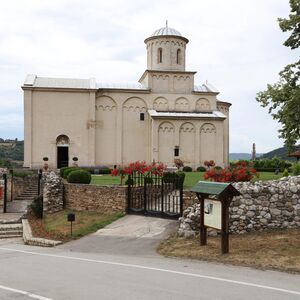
262 205
104 199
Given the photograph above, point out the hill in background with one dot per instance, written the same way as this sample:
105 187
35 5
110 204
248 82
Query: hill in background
281 153
242 156
11 152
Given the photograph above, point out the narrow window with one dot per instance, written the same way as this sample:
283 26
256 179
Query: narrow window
178 56
142 116
159 55
176 151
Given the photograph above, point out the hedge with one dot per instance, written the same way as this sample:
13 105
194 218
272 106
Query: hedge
79 176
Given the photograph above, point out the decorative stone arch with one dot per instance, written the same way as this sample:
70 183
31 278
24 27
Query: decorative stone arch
208 128
166 126
161 104
62 150
208 142
202 104
182 104
105 103
187 127
166 140
135 104
187 139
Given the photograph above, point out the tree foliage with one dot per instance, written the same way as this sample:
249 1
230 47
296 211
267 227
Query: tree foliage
283 97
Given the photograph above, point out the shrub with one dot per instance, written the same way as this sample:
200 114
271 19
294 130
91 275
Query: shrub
218 168
61 171
79 176
187 169
176 178
201 169
296 169
69 170
209 163
285 173
37 206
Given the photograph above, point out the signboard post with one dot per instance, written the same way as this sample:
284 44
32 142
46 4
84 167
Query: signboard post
215 198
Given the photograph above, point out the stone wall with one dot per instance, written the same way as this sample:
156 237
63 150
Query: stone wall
261 206
104 199
52 193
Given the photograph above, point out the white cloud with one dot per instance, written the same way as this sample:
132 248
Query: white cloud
236 45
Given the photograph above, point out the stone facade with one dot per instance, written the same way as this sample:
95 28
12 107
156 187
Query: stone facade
116 124
52 193
261 206
105 199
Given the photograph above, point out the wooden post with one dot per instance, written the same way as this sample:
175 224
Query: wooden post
203 231
225 226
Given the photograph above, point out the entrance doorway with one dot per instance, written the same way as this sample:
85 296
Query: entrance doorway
62 145
62 157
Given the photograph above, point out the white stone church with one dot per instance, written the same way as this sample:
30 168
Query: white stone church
163 117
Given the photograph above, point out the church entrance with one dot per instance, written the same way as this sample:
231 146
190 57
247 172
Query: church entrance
62 157
62 145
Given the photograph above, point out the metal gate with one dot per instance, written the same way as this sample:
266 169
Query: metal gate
155 195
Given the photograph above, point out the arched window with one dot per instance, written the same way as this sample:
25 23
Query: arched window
159 55
178 56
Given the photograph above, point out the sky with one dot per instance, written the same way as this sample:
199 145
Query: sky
234 45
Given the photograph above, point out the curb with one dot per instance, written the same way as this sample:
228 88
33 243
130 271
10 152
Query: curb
32 241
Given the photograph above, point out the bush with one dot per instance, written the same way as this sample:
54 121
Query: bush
178 163
201 169
22 173
218 168
296 169
79 176
176 178
285 173
69 170
37 206
61 171
187 169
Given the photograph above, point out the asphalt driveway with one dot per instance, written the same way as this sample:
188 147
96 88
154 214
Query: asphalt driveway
130 235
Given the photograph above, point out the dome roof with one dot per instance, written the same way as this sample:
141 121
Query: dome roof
166 31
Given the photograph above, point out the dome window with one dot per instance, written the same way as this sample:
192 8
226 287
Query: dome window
159 55
178 54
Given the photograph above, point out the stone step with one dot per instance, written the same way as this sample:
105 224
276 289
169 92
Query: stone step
11 230
7 227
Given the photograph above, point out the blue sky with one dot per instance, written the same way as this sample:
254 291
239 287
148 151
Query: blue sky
235 45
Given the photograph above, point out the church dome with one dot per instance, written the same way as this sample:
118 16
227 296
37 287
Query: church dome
166 31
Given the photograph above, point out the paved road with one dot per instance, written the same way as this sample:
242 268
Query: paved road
87 269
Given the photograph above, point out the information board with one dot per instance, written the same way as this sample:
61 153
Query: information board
212 213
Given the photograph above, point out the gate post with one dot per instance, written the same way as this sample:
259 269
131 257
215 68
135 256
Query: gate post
5 193
162 195
145 194
181 196
39 181
128 193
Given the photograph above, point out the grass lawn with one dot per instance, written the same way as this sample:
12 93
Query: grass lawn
191 178
57 227
277 250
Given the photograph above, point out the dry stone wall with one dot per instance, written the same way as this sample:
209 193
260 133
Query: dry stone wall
261 206
105 199
52 192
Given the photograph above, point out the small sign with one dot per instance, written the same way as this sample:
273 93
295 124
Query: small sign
212 213
71 217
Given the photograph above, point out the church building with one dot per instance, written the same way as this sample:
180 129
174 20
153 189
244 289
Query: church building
163 117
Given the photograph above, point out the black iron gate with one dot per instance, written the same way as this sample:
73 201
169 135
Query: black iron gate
159 196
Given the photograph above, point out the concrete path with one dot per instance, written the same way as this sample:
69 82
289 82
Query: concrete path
130 235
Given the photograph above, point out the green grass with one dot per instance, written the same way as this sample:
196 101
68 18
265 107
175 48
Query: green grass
86 222
191 178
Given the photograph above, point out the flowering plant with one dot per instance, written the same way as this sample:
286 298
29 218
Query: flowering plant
242 171
209 163
140 167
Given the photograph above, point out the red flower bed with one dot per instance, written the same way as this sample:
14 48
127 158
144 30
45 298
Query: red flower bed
140 167
240 172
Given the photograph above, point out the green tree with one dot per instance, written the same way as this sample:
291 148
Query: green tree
283 97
